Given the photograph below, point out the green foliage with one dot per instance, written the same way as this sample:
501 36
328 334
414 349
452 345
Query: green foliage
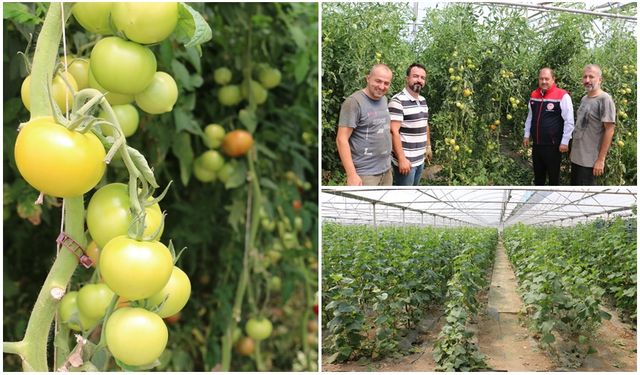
208 218
564 274
378 283
496 53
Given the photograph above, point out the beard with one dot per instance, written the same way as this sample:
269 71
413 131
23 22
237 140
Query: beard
416 87
591 87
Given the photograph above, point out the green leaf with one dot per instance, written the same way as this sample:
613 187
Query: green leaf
249 119
298 36
181 75
548 338
547 326
181 148
302 66
185 122
238 178
19 13
604 315
192 30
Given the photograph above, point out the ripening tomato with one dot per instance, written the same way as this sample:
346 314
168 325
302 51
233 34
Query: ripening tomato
70 315
245 346
62 95
94 299
109 214
176 292
113 98
94 17
237 143
57 161
143 22
122 66
135 269
136 336
127 116
258 328
159 96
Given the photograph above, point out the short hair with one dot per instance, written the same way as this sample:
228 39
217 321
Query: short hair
553 74
376 66
594 67
415 65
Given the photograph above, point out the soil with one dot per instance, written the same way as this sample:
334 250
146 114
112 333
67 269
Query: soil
505 339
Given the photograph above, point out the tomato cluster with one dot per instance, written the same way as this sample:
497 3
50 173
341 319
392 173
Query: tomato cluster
210 165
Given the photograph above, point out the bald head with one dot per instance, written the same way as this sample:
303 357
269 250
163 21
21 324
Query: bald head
378 81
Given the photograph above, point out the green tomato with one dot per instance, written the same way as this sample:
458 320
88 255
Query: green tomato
275 283
175 294
270 78
79 69
211 160
258 328
222 76
143 22
136 336
109 214
70 315
201 173
159 96
94 17
127 116
214 134
256 90
122 66
135 269
225 173
58 161
113 98
94 299
229 95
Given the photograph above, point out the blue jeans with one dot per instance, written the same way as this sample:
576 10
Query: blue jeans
410 179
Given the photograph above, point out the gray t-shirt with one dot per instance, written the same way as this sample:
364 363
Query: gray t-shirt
587 134
370 141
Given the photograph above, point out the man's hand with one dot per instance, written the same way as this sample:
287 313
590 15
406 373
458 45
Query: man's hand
428 154
354 180
525 142
564 148
404 166
598 168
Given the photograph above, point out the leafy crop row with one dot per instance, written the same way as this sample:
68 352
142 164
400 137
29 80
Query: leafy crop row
455 349
564 274
379 282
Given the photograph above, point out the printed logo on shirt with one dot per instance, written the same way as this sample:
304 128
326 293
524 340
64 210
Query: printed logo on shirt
550 106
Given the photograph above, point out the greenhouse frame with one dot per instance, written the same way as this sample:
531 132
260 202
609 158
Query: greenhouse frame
488 207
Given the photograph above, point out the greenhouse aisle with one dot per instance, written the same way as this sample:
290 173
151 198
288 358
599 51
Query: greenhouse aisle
506 343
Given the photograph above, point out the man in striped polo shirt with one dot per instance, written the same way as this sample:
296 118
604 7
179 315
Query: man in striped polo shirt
409 129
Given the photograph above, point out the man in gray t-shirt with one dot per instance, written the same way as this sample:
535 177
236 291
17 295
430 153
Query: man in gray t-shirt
593 131
364 137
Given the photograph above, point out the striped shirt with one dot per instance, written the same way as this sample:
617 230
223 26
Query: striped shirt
413 115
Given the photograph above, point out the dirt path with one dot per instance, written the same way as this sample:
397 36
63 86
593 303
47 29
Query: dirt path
507 344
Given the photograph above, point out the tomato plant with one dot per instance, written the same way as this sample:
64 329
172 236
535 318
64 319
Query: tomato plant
136 336
57 161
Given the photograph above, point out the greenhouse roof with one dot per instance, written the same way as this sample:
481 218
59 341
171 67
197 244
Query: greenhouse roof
492 207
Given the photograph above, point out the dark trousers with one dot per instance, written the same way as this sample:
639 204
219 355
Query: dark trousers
582 176
546 162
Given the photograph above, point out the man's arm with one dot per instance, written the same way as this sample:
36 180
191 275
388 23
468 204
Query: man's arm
403 163
607 136
344 150
527 127
428 153
566 110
